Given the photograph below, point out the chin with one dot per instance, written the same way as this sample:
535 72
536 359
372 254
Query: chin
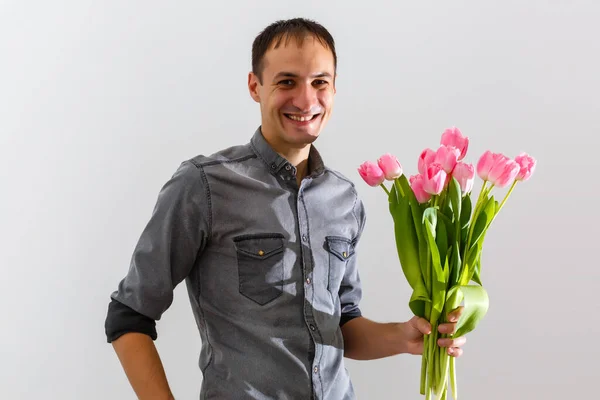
302 133
300 136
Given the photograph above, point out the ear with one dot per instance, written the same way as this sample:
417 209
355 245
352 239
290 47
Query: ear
253 85
334 80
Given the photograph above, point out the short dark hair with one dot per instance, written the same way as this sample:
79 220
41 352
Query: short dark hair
296 28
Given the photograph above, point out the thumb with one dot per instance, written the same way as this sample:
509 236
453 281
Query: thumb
421 324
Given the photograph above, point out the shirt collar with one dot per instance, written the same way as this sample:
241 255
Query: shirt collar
274 161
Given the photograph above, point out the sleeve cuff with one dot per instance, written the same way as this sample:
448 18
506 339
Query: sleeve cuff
122 319
350 316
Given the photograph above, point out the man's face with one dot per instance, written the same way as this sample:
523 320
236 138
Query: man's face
297 90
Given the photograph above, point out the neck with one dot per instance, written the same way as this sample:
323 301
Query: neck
297 156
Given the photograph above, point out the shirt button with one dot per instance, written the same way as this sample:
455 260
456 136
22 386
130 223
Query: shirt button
316 369
304 238
312 327
308 280
273 166
288 167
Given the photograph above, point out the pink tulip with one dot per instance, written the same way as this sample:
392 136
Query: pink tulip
427 156
447 157
416 183
434 179
452 137
464 174
527 165
371 173
503 172
485 164
390 166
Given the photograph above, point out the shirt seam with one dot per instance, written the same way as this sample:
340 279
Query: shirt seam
200 166
353 188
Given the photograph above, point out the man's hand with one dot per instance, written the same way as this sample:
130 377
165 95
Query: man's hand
369 340
413 330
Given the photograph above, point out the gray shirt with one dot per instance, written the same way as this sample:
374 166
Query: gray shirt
270 269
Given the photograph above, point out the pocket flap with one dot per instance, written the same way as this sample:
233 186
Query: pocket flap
341 247
260 245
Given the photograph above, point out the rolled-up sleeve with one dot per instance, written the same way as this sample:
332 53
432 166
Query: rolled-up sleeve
166 252
350 292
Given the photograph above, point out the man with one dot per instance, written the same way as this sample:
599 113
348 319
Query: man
265 236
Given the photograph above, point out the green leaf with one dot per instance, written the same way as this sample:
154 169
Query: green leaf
407 244
477 271
446 269
441 238
455 199
430 214
402 181
456 264
438 283
417 215
476 304
418 300
465 211
483 220
446 208
464 235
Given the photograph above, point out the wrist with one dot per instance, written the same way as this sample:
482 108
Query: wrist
396 338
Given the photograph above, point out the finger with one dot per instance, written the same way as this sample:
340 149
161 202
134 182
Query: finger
447 327
455 314
452 342
455 352
423 325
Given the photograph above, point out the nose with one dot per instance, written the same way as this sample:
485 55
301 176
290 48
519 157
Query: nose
305 98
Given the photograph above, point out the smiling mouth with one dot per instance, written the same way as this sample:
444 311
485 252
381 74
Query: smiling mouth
302 118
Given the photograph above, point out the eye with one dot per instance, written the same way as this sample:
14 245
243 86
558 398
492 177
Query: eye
320 82
286 82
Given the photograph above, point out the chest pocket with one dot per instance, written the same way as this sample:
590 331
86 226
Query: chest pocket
260 266
340 251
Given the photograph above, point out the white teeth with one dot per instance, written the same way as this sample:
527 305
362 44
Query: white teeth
299 118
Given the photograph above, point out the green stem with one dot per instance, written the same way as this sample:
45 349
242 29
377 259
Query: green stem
398 186
431 357
444 361
506 197
384 188
422 387
482 193
453 378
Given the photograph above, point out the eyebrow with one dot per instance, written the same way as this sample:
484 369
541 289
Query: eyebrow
284 74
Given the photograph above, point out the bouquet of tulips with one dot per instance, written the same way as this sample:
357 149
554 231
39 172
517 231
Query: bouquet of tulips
439 237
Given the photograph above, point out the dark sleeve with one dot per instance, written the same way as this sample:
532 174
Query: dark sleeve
122 319
164 255
351 289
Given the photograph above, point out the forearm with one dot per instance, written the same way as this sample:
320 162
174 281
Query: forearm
368 340
143 367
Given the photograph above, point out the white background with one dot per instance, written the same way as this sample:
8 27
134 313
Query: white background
101 100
